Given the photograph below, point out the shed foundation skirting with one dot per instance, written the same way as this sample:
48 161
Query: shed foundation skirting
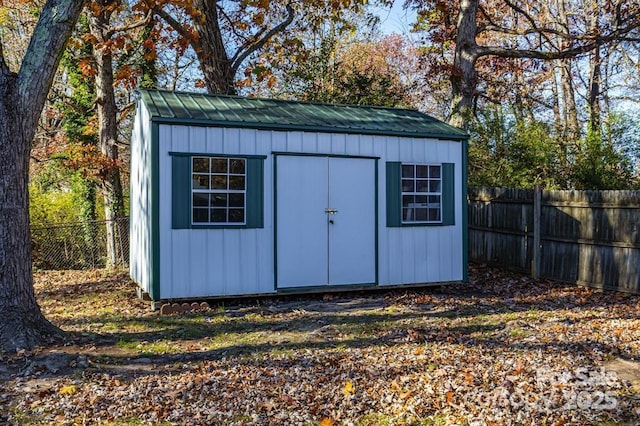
370 288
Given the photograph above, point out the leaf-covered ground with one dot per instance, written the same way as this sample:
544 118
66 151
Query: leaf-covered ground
503 349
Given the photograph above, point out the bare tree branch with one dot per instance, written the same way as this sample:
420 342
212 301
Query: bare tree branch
238 58
177 26
531 21
227 18
534 54
589 44
131 26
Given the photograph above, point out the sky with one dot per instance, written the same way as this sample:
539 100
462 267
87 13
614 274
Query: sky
395 20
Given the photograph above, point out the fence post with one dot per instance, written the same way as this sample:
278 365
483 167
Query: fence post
537 222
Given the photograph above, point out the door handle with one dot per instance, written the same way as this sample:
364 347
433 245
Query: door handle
331 221
330 211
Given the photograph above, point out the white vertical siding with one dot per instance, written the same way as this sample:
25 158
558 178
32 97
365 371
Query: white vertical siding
420 254
140 211
214 262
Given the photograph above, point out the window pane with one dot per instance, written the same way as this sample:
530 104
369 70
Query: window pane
236 166
434 186
236 182
236 200
407 185
201 165
421 199
407 171
408 200
421 215
421 171
434 171
200 181
422 185
200 215
218 215
218 182
218 200
407 214
434 215
236 215
201 200
219 165
434 200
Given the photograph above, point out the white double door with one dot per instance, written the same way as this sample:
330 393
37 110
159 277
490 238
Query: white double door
325 218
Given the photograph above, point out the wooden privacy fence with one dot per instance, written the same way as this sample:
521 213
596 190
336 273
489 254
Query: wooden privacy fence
586 237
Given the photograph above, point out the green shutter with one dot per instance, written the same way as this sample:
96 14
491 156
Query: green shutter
180 192
448 194
394 194
255 193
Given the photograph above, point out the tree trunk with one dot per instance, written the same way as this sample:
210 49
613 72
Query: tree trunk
88 216
219 74
108 140
463 77
22 325
570 114
594 92
22 98
595 76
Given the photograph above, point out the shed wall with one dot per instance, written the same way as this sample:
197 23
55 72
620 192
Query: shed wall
213 262
140 216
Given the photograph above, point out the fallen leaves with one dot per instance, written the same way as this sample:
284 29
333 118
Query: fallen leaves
501 350
68 390
348 389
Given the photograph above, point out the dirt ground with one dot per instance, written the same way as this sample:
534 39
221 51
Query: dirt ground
502 349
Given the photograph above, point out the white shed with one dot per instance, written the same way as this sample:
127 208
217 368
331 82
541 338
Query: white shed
233 197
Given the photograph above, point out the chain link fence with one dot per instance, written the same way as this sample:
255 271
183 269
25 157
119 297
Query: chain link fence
80 245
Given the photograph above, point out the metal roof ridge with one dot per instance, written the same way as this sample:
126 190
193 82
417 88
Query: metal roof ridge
289 101
255 112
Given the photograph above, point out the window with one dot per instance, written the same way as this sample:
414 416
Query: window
218 190
421 193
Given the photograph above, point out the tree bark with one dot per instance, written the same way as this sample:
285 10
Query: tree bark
463 76
595 75
22 98
215 63
570 114
214 60
108 136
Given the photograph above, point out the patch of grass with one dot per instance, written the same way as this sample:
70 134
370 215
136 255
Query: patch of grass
159 347
375 419
131 421
518 332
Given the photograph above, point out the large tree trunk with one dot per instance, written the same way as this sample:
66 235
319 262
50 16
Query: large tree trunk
22 324
22 98
464 76
108 139
219 74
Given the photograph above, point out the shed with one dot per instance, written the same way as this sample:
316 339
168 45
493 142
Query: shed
234 196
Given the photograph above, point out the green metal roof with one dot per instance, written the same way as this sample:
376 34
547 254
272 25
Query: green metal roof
269 114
